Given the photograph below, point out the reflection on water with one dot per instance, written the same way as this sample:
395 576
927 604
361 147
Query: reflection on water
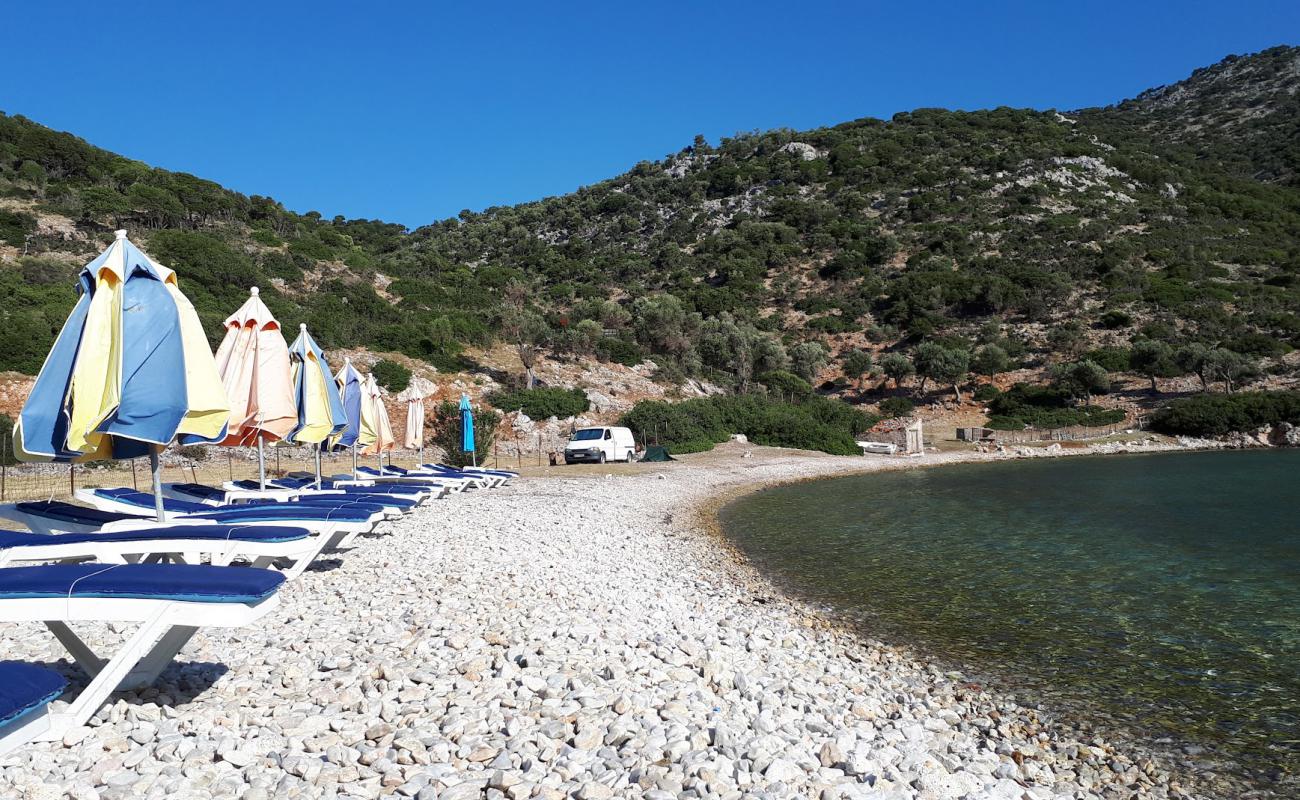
1163 591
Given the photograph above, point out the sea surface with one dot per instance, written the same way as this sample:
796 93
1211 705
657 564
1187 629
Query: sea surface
1157 594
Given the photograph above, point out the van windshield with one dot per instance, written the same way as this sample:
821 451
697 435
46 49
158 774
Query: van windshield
588 434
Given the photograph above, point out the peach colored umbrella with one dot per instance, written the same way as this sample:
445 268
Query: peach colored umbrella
376 431
253 361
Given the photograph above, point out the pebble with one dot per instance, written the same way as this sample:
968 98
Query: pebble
559 638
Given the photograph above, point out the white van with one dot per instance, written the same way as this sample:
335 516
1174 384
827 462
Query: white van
598 445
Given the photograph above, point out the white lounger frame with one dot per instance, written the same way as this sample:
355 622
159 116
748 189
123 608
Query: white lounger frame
338 535
435 492
176 550
236 494
165 627
28 728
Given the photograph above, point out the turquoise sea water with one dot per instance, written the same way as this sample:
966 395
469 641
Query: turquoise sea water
1160 594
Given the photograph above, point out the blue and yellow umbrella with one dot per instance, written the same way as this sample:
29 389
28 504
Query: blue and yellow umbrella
320 409
130 371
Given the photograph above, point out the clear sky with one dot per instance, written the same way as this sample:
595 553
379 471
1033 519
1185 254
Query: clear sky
411 111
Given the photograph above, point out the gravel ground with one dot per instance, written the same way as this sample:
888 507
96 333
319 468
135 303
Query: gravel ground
580 637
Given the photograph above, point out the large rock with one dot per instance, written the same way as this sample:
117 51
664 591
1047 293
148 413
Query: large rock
1285 434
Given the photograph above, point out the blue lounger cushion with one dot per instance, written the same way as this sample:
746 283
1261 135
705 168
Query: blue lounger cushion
260 512
57 509
395 489
199 490
67 512
25 688
238 533
189 582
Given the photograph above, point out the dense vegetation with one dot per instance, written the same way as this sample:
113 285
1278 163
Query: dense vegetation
445 422
1024 406
816 423
1159 236
542 403
1216 415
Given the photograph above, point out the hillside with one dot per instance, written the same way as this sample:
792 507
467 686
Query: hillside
1012 238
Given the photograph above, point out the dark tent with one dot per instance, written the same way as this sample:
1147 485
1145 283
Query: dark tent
656 453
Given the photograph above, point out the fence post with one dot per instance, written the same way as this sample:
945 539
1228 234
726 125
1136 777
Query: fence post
539 449
4 465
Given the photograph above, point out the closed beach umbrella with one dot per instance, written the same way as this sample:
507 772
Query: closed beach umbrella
467 429
320 409
349 384
129 372
414 395
376 431
253 361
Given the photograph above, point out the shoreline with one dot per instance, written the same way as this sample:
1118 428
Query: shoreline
1075 720
578 635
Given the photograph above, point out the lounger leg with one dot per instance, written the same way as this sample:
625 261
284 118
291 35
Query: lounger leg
90 663
151 666
142 645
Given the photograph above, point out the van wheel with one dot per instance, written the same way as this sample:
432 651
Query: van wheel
630 457
602 458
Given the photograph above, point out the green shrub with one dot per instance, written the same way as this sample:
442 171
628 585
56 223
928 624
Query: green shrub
1045 407
1220 414
392 376
265 237
620 351
816 423
1258 344
785 384
835 323
985 392
896 407
1115 319
543 403
312 248
1111 359
14 226
445 422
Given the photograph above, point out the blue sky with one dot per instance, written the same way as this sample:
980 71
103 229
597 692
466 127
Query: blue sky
410 112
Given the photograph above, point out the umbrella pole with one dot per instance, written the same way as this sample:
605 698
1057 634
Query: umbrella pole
261 465
318 465
354 462
155 466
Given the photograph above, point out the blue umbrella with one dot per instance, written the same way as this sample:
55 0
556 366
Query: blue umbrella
467 429
130 371
320 409
350 385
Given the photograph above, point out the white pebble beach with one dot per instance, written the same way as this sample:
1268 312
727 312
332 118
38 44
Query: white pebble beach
583 634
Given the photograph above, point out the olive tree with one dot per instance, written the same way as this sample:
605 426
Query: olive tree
945 365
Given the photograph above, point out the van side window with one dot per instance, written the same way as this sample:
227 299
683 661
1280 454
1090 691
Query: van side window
609 434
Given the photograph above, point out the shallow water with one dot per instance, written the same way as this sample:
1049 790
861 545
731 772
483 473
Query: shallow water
1160 593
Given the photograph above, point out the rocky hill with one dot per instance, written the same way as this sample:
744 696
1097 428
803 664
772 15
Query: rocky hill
1018 238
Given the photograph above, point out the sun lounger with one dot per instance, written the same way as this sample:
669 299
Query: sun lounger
170 601
220 496
372 474
409 491
456 482
336 499
341 526
493 478
128 501
262 546
26 691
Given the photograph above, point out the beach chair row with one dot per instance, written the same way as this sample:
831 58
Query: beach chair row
218 560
